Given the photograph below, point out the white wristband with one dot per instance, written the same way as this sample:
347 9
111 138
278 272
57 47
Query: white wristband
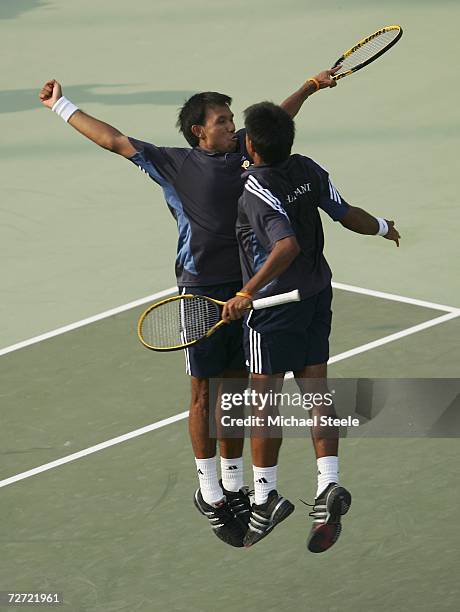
64 108
383 227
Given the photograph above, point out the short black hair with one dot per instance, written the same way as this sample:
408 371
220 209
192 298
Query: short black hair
271 130
193 112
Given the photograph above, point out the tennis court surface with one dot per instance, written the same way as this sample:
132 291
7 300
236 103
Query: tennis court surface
115 529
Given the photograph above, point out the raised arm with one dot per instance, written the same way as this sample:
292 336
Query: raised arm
294 102
99 132
359 221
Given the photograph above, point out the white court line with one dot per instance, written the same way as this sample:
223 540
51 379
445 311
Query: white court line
165 292
396 336
93 449
395 298
386 339
183 415
83 322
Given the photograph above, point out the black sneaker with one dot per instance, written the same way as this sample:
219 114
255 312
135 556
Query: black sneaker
223 522
266 516
239 503
328 509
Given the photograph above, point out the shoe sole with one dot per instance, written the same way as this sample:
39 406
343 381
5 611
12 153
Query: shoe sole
282 513
326 535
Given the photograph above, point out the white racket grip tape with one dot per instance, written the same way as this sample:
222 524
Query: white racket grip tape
276 300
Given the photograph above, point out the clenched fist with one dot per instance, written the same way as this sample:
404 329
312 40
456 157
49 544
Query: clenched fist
50 93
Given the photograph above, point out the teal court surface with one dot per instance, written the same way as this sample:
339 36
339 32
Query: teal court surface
97 478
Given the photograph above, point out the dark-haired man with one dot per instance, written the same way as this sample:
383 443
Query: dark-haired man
201 185
281 248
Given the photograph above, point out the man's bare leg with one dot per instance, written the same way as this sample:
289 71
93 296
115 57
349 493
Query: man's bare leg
228 512
231 447
325 439
202 408
331 500
265 443
203 446
269 507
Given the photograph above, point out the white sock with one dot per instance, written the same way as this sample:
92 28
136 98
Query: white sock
232 473
209 483
328 471
264 482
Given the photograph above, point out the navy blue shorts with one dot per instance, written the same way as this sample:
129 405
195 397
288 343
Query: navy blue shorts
289 337
224 349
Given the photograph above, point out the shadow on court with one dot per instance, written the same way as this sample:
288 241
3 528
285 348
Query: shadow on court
9 9
15 100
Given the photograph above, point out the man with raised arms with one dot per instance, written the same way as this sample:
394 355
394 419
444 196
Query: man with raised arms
201 185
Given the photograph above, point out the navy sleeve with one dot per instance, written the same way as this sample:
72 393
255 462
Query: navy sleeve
162 164
266 214
330 199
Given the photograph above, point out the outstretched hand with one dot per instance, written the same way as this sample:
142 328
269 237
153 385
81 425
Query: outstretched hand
392 233
50 93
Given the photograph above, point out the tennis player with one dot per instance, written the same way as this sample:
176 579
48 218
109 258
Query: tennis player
281 248
201 185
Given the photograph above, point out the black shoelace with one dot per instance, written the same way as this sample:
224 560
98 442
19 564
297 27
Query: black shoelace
319 511
240 502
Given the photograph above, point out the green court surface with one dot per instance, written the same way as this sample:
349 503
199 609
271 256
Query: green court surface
116 530
83 232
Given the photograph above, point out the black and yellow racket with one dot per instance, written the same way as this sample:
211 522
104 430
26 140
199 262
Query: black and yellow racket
183 320
367 50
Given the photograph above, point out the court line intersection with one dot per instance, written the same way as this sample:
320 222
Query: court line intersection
451 313
165 292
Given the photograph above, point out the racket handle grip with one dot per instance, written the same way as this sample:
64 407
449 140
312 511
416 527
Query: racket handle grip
276 300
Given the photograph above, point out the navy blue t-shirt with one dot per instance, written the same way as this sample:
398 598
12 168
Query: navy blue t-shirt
280 201
202 191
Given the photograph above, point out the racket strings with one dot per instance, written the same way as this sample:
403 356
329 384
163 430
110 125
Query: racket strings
178 322
368 50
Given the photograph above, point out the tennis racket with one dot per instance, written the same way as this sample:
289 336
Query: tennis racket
367 50
183 320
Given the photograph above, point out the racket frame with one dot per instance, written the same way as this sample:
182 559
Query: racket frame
167 301
291 296
360 44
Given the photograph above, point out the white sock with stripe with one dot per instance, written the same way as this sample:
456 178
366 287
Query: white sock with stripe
264 482
232 473
328 471
209 483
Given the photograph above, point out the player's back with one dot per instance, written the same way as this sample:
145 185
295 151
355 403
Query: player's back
296 188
